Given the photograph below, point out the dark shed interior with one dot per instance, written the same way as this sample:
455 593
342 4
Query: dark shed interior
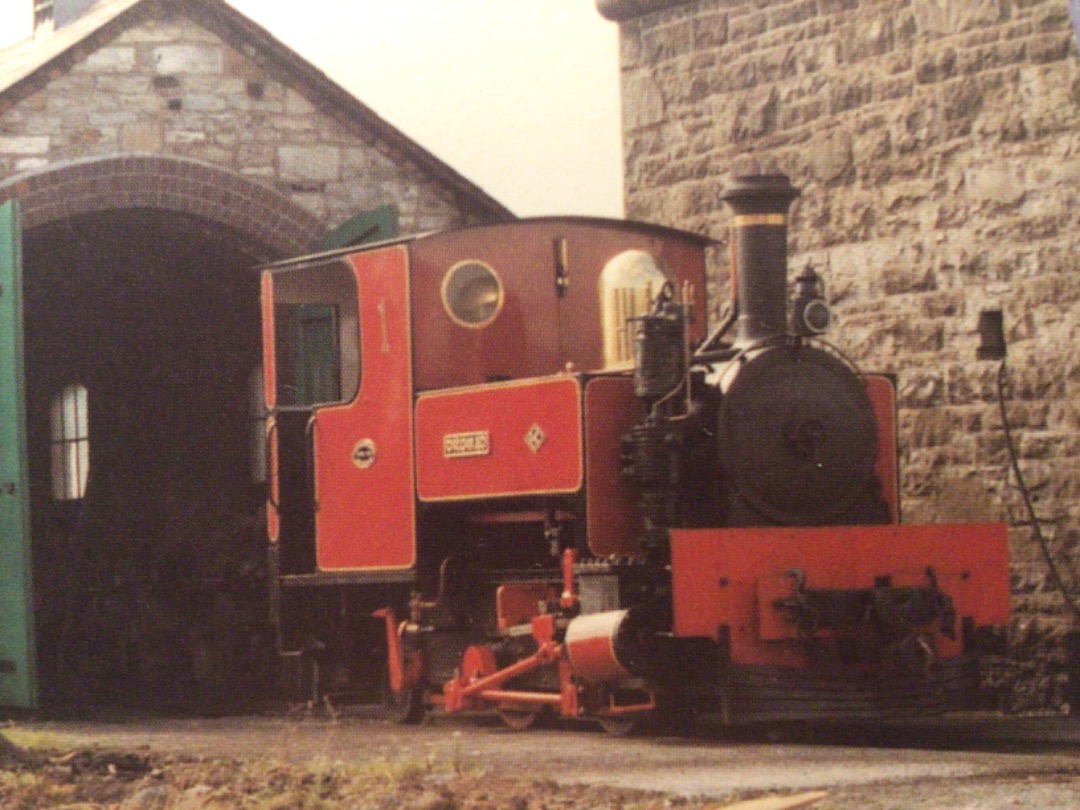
147 566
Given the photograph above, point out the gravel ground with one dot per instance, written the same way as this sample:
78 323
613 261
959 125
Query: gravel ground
461 763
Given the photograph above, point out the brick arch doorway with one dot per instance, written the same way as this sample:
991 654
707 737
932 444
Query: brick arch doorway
259 214
142 339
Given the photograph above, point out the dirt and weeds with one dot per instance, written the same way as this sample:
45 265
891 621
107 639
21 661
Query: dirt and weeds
36 772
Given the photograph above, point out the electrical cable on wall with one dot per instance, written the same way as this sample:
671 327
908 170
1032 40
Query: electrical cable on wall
992 347
1055 573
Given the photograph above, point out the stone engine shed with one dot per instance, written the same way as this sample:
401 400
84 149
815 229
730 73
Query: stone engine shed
937 145
158 150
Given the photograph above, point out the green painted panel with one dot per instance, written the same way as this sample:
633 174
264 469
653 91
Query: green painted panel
18 671
308 357
376 225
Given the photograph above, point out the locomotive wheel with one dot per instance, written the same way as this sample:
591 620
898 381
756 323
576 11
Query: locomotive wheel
519 719
405 708
620 725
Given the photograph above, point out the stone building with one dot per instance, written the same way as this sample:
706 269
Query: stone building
937 146
157 151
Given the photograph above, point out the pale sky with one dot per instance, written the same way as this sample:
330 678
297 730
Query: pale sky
519 96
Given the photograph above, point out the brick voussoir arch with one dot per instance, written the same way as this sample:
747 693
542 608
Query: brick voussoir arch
96 184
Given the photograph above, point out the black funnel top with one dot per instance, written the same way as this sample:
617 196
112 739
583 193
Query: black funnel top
759 239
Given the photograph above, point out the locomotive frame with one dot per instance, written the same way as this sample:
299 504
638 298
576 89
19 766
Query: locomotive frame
510 470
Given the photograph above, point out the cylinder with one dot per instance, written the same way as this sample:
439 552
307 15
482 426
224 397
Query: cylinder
759 242
590 646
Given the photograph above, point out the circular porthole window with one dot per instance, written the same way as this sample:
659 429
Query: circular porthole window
472 293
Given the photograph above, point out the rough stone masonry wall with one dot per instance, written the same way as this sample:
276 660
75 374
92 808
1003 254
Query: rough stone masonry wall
937 144
169 86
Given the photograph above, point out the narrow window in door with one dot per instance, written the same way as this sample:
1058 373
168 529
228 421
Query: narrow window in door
70 443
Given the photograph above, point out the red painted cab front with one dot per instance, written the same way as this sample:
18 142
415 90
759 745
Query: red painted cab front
338 378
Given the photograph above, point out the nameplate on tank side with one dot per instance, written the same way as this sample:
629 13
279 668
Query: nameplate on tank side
466 445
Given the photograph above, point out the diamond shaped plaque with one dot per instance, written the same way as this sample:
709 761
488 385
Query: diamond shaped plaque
535 438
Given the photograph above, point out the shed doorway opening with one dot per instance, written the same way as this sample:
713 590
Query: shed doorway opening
142 336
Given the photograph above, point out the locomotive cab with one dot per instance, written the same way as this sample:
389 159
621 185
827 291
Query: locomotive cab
315 319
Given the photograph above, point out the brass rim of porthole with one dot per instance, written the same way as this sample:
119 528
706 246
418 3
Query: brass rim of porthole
445 294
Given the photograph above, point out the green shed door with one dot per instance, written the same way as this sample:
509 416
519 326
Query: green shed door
18 678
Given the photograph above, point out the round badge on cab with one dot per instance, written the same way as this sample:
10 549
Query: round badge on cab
363 454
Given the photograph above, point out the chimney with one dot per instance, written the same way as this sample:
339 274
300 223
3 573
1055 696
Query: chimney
43 17
52 14
759 234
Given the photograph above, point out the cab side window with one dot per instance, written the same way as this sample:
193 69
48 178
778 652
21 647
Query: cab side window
317 337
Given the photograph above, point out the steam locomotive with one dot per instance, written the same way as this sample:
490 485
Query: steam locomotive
511 469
